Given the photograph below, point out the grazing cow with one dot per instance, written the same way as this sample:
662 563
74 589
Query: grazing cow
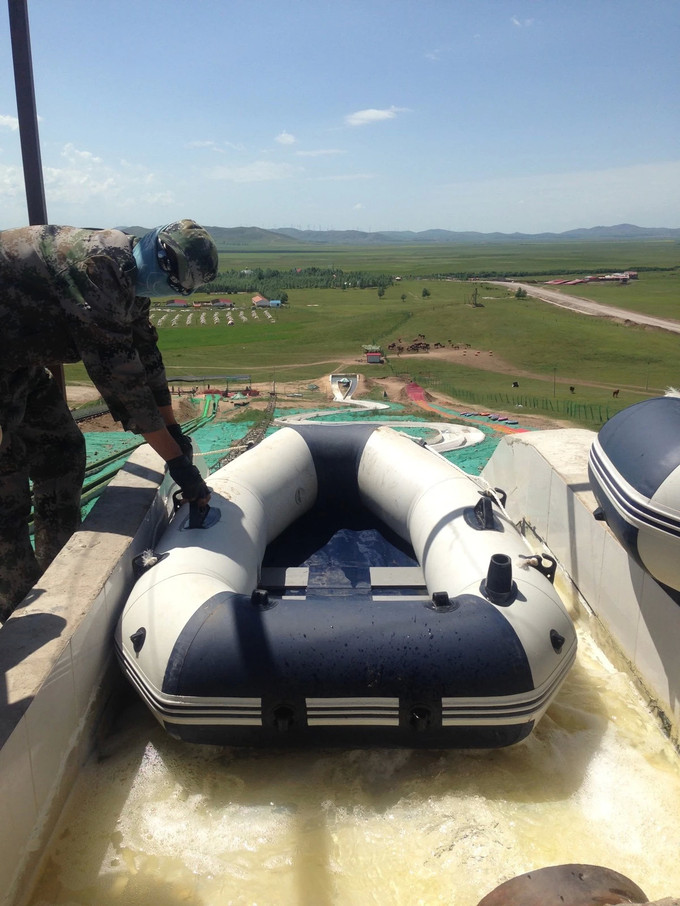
572 389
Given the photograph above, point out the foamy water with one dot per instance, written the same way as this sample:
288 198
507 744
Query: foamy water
156 822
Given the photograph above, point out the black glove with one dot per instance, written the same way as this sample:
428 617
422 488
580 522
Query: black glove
182 439
188 478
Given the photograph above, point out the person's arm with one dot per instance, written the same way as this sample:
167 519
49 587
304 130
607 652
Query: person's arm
163 443
168 414
120 377
181 469
175 431
109 326
118 345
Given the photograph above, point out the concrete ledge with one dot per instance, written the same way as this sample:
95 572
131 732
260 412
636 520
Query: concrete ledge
545 474
55 652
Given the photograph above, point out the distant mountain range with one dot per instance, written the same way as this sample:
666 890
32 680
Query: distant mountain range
285 237
355 237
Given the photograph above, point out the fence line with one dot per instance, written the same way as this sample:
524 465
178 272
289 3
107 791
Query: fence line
592 413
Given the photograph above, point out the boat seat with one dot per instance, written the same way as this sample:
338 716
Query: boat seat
383 578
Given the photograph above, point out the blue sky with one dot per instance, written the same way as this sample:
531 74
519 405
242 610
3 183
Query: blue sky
485 115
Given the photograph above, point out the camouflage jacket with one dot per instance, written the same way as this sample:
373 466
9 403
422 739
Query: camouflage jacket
67 295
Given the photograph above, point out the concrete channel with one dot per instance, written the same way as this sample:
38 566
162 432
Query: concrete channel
101 807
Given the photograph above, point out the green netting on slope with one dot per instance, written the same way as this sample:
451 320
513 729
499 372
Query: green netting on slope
101 444
215 439
471 459
100 448
359 415
212 440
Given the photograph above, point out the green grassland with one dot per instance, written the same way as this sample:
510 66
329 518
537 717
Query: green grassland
656 293
548 259
547 349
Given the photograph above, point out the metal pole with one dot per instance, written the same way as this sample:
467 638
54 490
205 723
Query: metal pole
28 129
28 117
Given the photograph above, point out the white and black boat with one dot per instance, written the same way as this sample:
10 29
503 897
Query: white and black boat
347 586
634 471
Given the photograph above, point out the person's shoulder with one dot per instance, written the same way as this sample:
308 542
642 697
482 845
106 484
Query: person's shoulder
114 235
110 264
29 234
113 240
45 241
96 248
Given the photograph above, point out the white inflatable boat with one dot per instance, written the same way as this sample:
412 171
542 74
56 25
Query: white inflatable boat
634 471
346 587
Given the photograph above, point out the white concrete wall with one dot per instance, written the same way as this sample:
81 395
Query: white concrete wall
56 663
545 474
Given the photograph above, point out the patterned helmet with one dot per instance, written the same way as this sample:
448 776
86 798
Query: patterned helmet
188 253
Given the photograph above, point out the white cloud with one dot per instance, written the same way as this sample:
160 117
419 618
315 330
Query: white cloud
344 177
521 23
358 206
213 146
74 156
285 138
371 115
85 178
258 171
9 122
321 152
10 181
162 199
83 188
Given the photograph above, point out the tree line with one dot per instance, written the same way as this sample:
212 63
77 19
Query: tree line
271 282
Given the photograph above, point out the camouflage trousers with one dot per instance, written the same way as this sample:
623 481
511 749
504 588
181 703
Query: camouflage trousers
41 447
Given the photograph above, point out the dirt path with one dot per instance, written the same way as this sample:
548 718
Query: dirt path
589 307
79 394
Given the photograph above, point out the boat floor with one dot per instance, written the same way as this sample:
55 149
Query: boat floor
342 555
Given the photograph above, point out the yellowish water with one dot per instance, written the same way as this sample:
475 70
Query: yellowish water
159 823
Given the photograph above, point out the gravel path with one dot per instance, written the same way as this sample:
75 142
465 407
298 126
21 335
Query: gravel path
588 307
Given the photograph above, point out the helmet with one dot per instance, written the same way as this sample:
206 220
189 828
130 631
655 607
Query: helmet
187 253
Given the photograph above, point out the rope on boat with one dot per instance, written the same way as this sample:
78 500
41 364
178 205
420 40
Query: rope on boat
236 449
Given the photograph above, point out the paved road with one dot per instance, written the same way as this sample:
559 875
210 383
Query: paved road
588 307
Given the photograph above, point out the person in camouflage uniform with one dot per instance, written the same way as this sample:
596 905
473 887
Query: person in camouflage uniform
69 295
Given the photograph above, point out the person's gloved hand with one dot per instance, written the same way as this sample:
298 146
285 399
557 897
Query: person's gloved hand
188 478
184 441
